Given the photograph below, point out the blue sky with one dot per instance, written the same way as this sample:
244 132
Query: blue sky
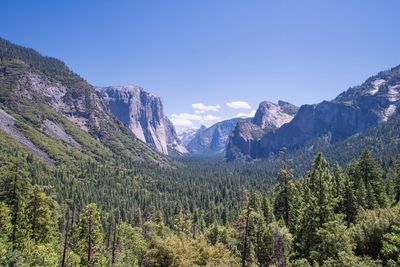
214 52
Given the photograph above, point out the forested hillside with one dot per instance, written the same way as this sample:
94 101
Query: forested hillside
217 217
59 112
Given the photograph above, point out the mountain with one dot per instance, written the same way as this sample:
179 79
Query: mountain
212 141
58 115
243 143
353 111
270 116
142 113
185 134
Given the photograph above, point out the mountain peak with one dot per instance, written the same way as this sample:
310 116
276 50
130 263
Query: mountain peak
271 115
142 112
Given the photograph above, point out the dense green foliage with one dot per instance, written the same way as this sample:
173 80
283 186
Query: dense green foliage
331 217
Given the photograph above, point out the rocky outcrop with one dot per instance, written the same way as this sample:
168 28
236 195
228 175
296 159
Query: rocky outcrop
143 114
272 116
353 111
186 134
244 141
212 141
8 125
175 146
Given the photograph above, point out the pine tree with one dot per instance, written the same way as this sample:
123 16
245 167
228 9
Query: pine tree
370 174
397 182
281 244
318 207
5 233
244 227
183 223
89 244
348 203
132 246
261 238
283 198
334 242
267 210
43 215
14 189
339 180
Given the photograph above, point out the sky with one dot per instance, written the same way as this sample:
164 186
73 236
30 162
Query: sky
211 60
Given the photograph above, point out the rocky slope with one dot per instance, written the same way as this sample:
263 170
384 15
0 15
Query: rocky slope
143 114
56 114
244 141
212 141
355 110
186 134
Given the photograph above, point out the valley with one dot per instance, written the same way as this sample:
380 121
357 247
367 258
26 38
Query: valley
99 176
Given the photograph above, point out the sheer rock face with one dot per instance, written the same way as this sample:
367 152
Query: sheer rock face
272 116
353 111
212 141
244 141
142 113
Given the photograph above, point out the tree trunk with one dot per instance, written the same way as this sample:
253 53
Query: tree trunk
245 238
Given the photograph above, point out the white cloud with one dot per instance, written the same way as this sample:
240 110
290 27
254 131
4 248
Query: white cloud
210 118
188 116
201 108
185 119
248 115
238 105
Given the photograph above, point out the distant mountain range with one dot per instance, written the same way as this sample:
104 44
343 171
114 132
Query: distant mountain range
44 105
374 102
212 141
312 127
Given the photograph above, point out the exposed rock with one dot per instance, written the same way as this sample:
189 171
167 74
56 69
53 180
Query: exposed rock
40 88
186 134
244 141
7 124
271 116
57 131
175 146
212 141
143 114
353 111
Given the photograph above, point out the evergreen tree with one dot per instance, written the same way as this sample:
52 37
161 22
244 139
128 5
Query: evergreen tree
391 243
14 189
281 244
43 215
267 210
132 246
339 187
370 174
333 243
349 205
244 228
5 233
89 237
397 182
284 195
318 207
